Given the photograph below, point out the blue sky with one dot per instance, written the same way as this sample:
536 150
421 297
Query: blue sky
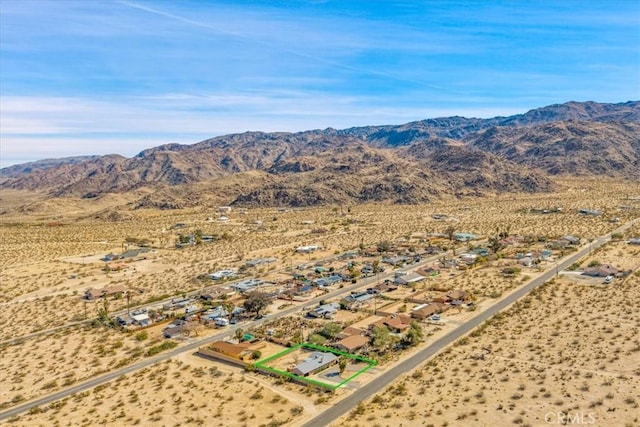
98 77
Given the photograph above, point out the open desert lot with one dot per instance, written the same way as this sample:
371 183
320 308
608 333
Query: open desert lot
319 213
569 348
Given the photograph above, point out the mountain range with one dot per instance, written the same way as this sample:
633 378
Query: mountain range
411 163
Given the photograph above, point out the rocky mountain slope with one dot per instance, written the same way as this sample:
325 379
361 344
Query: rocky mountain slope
411 163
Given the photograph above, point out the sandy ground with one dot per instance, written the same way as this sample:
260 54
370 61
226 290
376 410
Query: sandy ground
573 332
569 348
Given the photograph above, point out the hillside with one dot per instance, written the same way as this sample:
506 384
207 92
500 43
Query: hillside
410 163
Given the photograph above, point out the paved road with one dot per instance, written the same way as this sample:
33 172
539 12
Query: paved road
206 289
82 386
366 391
361 394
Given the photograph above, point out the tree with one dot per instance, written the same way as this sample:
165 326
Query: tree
198 236
316 339
354 273
382 339
103 312
384 246
256 302
494 244
228 306
297 337
238 334
330 330
342 363
414 334
450 231
375 266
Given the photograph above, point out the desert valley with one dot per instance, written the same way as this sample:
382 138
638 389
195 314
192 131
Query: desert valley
446 272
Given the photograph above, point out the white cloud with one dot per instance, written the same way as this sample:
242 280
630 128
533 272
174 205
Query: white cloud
40 127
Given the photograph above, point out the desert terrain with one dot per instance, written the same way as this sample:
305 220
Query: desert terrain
568 348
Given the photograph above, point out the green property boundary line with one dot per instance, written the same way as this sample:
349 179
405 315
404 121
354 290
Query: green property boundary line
262 365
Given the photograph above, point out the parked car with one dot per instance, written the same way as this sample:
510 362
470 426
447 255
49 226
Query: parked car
608 279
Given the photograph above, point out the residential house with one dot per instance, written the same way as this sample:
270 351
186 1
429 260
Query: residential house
351 343
307 249
141 318
92 294
591 212
173 331
116 266
396 260
124 320
386 286
464 237
221 274
325 311
327 281
431 250
573 240
110 257
247 285
424 311
132 253
456 295
260 261
357 298
410 278
468 258
232 352
459 295
601 271
218 311
511 240
395 323
175 304
349 331
526 261
317 361
302 289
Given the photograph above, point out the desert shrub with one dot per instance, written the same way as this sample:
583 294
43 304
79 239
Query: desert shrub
142 335
166 345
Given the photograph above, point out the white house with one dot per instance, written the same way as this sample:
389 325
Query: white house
307 249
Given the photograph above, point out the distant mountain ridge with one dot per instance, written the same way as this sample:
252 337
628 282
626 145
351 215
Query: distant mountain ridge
410 163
